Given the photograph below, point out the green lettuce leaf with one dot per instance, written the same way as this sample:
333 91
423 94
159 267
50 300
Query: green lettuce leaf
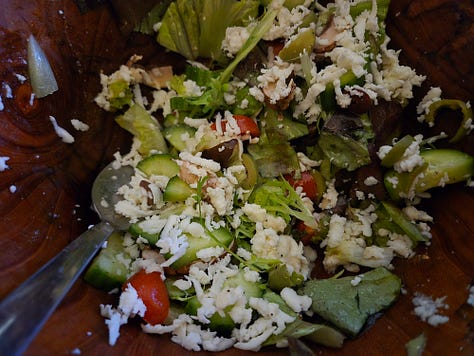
196 28
346 304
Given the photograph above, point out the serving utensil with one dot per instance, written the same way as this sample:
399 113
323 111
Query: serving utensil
26 309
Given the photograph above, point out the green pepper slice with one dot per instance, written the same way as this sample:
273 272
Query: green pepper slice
452 104
397 151
442 166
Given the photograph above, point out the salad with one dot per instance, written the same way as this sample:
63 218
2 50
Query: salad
273 188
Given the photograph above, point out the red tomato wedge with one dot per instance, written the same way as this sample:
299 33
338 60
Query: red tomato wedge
246 124
152 291
306 182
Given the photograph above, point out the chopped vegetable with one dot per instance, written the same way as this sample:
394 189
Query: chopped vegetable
246 125
278 197
307 182
344 141
348 304
275 148
416 346
466 124
442 166
107 270
141 124
152 291
197 28
42 76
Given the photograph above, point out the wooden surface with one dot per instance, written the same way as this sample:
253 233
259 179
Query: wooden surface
51 204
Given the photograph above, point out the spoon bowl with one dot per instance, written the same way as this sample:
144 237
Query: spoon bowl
104 194
20 319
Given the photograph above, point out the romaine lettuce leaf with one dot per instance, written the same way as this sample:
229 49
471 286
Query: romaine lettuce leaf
348 304
196 28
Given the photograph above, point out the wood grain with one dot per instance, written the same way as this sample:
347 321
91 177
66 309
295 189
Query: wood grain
51 204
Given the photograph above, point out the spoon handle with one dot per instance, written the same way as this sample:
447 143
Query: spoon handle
26 309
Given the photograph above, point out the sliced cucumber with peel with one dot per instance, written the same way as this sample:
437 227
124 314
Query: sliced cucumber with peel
107 271
224 323
136 230
178 135
219 237
159 165
177 190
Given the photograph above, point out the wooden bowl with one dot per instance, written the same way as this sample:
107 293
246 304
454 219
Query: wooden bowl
51 204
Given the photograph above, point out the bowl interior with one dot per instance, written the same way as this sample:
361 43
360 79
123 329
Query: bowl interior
45 193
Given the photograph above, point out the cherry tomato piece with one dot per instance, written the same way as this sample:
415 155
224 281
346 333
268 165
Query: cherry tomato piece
306 182
152 291
305 233
246 124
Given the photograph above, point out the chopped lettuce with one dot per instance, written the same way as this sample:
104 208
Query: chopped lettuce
212 98
279 127
318 333
273 159
196 28
154 16
348 302
145 128
278 197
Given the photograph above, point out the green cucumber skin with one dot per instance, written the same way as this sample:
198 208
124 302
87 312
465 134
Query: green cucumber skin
195 244
137 231
177 190
160 165
224 323
174 135
106 271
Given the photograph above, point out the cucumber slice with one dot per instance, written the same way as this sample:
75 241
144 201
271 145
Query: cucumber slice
107 271
222 324
442 166
136 230
159 165
178 135
251 289
177 190
218 237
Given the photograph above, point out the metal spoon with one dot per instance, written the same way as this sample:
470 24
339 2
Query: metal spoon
26 309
